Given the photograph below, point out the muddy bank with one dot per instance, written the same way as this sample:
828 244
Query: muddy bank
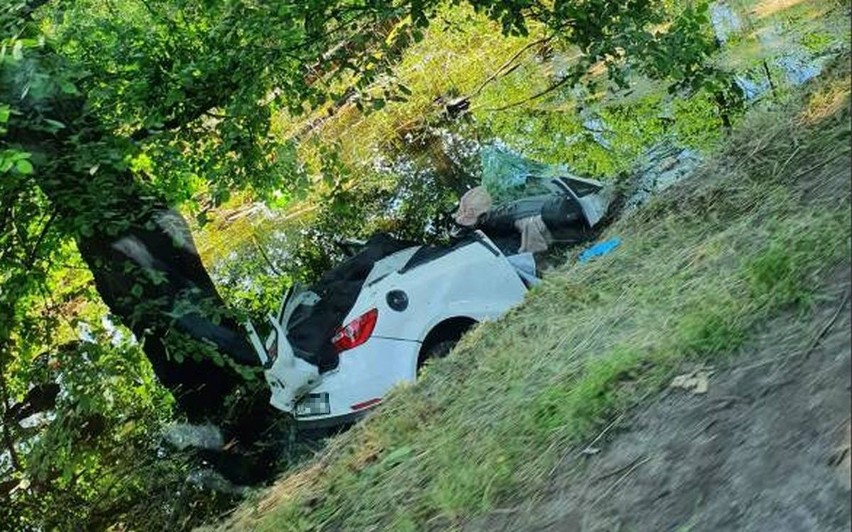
765 448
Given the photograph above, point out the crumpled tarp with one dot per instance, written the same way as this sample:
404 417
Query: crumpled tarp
508 176
540 202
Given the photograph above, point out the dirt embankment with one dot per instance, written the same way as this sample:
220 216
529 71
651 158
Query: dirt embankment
765 448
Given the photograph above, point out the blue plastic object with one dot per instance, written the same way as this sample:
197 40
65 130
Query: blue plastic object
600 249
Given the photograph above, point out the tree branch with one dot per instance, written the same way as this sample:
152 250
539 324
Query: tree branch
30 7
203 99
7 435
509 63
535 96
263 254
33 254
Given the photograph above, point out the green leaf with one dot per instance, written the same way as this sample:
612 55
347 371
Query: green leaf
23 166
54 124
68 88
17 51
202 218
136 290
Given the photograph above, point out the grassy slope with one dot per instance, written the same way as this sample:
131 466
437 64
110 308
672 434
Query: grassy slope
698 269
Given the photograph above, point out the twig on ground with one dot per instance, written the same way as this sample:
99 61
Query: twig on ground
633 467
811 346
619 470
597 438
820 164
818 338
600 435
604 432
778 170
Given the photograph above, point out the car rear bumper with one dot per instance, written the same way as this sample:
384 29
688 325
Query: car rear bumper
362 379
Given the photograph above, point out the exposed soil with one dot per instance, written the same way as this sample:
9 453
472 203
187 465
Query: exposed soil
766 448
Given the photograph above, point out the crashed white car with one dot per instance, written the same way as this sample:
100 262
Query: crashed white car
414 304
336 349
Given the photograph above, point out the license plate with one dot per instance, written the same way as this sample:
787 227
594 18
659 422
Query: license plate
313 404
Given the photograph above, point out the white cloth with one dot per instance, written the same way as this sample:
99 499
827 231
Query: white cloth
535 236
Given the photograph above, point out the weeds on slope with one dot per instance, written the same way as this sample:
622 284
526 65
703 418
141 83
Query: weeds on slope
751 234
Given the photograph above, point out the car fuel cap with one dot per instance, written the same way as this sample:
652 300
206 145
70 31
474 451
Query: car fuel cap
397 300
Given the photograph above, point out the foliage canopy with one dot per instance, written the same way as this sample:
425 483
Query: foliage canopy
113 111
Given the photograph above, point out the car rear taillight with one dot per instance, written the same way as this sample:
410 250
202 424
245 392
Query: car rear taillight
356 332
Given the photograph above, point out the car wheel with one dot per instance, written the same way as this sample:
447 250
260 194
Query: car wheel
441 349
443 339
437 350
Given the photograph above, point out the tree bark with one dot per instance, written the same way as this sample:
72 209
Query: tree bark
151 277
140 251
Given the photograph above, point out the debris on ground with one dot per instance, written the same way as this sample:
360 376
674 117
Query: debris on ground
697 382
186 435
660 167
600 249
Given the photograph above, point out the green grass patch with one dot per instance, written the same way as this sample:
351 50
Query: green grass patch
753 233
818 41
579 404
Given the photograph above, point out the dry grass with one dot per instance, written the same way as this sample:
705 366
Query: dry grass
826 102
699 269
768 8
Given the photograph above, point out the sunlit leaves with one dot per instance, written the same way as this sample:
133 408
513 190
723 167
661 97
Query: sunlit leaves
15 161
163 102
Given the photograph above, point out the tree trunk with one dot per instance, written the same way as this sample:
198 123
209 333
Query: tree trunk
141 253
151 277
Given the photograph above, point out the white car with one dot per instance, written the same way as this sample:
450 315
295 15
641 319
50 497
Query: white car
337 349
413 304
